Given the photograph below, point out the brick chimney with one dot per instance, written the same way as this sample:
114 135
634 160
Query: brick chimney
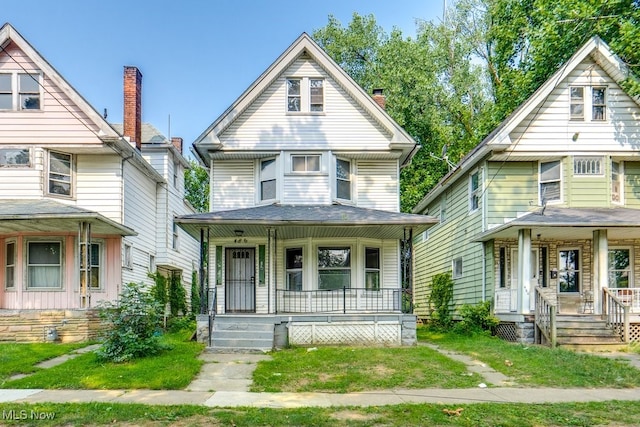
133 105
378 96
177 142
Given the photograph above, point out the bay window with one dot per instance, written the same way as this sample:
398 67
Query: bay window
334 268
44 264
294 269
372 269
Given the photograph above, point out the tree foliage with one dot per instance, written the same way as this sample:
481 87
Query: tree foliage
196 183
460 77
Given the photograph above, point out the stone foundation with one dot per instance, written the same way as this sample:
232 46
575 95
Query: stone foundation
49 325
522 332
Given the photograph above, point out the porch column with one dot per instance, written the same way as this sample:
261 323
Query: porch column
600 267
525 293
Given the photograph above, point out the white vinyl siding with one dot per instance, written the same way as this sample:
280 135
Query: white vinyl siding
99 185
344 123
233 184
377 184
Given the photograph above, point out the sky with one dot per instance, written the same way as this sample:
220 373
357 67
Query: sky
196 56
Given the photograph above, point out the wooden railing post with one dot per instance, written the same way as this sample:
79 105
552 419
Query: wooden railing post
627 314
554 332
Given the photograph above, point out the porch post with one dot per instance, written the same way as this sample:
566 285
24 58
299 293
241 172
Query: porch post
600 267
525 293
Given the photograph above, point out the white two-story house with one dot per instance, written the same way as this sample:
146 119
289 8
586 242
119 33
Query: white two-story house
305 228
83 209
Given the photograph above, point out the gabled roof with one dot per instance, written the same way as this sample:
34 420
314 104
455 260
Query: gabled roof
296 221
106 133
303 45
499 138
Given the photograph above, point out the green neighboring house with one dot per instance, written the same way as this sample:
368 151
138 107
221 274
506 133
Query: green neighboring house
543 216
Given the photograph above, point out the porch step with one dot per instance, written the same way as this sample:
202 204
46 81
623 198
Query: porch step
583 331
242 334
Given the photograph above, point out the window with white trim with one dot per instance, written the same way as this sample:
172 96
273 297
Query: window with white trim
577 102
474 191
15 158
10 265
598 104
60 174
587 165
372 269
549 180
334 268
616 182
20 91
569 270
127 256
620 272
456 268
301 163
343 179
305 94
152 263
44 264
175 243
268 187
95 257
293 265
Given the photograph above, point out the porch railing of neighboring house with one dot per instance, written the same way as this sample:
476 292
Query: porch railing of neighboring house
628 296
345 300
212 294
506 300
545 319
617 313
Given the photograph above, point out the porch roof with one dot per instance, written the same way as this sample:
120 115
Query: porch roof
42 215
570 223
298 221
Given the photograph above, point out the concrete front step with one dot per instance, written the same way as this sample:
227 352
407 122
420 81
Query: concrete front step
242 334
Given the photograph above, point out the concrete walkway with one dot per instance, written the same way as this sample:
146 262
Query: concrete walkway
225 379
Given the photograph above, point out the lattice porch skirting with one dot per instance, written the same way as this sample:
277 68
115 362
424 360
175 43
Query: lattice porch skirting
365 332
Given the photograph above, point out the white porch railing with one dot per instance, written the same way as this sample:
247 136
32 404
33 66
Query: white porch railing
628 296
346 300
506 300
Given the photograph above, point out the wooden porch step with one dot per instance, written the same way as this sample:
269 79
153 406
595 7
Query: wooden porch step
584 331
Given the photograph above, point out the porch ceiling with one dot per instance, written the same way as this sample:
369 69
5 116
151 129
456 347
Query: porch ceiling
317 221
46 216
554 223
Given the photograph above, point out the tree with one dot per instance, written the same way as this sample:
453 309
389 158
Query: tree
196 183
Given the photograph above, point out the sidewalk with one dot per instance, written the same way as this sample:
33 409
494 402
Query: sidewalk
232 373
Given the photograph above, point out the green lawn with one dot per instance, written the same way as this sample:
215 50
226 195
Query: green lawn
480 415
171 369
349 369
533 365
21 358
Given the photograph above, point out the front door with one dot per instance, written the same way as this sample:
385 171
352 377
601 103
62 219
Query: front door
240 284
529 285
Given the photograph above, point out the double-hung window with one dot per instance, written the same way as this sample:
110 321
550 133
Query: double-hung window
95 258
305 95
343 179
550 181
175 243
334 268
588 103
44 264
10 265
268 179
372 269
577 103
569 270
60 174
620 274
598 104
474 191
456 268
616 182
19 91
294 269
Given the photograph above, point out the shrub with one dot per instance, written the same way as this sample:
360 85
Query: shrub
134 321
181 323
440 299
477 318
177 295
195 294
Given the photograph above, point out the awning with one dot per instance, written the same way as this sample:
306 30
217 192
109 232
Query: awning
558 223
300 221
45 216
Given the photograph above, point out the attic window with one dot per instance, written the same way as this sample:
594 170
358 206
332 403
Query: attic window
20 91
293 95
305 95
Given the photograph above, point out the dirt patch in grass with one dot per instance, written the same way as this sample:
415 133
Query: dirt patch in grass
354 416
